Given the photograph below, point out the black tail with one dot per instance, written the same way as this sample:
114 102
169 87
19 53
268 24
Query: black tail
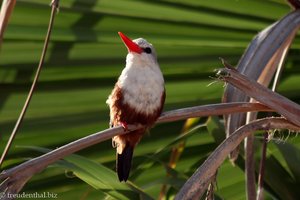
124 162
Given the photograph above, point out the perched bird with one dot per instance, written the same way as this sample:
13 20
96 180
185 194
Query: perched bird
137 98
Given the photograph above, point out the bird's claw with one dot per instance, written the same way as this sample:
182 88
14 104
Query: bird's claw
124 125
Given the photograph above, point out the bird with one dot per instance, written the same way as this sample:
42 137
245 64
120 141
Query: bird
137 98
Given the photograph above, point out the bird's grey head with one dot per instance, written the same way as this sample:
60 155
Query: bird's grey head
147 56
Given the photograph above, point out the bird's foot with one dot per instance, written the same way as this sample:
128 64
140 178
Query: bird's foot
124 125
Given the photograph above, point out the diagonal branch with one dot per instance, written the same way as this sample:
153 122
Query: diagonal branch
15 178
196 185
282 105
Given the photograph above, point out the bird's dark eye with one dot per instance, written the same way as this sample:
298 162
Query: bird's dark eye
147 50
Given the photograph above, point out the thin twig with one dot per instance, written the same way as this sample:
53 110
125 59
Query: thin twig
54 5
262 167
196 185
250 167
16 177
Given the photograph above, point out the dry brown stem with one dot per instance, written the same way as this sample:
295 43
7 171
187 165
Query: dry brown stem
282 105
197 184
15 178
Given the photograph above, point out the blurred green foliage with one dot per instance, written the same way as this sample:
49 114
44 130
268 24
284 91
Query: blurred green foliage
85 58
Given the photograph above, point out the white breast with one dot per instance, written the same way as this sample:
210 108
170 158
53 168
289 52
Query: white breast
142 86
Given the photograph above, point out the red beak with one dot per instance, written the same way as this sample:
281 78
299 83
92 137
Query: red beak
131 46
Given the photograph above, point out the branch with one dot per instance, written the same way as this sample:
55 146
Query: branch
287 108
212 109
259 63
54 5
15 178
196 185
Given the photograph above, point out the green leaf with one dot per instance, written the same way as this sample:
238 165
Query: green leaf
279 180
291 155
216 129
98 176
